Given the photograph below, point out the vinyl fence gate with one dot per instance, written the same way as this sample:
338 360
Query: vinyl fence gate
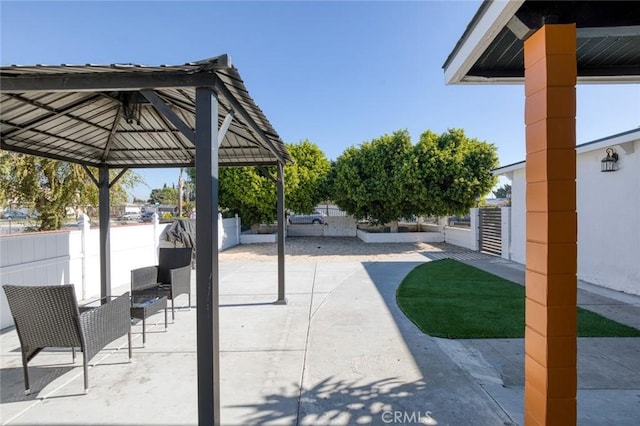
490 230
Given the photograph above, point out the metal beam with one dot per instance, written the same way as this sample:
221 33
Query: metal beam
112 133
175 136
105 244
282 300
118 176
252 125
224 127
267 175
207 268
104 81
91 176
168 113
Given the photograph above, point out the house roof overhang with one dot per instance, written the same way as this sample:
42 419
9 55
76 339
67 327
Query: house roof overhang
129 115
491 49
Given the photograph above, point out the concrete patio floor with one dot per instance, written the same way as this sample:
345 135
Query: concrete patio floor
340 352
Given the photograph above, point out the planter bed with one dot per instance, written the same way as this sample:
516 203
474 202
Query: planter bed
400 237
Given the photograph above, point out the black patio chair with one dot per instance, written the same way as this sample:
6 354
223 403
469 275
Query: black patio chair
49 317
170 278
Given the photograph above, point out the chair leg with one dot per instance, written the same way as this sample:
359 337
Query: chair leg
144 334
85 368
189 294
173 312
129 341
73 355
25 372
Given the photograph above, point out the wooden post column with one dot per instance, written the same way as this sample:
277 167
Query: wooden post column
551 259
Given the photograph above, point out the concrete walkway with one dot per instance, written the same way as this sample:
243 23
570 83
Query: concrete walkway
608 368
340 352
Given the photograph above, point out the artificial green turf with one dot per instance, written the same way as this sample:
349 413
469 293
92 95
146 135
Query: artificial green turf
447 298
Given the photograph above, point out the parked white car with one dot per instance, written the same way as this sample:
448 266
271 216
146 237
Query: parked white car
130 216
314 218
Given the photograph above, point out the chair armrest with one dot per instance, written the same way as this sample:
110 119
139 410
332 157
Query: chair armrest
105 323
180 280
144 278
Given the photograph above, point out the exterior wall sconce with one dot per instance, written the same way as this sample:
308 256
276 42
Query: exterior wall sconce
609 163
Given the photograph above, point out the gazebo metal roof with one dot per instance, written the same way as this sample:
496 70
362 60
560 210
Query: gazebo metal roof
131 116
108 114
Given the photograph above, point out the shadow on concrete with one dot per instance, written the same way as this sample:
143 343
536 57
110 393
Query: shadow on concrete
40 377
453 395
334 401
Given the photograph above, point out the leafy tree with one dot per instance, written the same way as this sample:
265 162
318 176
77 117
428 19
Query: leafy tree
310 171
503 192
452 172
251 191
388 178
370 180
6 161
164 195
50 186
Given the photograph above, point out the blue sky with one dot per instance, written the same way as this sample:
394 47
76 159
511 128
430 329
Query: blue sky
337 73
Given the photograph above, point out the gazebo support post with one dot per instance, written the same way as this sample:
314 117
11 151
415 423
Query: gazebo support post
207 268
281 235
551 259
105 244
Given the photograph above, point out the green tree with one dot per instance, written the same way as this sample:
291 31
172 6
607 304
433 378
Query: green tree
452 171
251 191
307 177
164 195
388 178
51 186
503 192
370 180
6 161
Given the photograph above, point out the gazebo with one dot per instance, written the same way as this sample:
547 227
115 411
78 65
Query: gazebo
549 46
123 116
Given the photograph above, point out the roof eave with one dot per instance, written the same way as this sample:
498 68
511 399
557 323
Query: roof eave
483 29
624 140
599 79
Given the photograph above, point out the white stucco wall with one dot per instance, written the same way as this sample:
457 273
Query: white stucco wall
400 237
340 226
518 216
608 206
458 237
609 221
